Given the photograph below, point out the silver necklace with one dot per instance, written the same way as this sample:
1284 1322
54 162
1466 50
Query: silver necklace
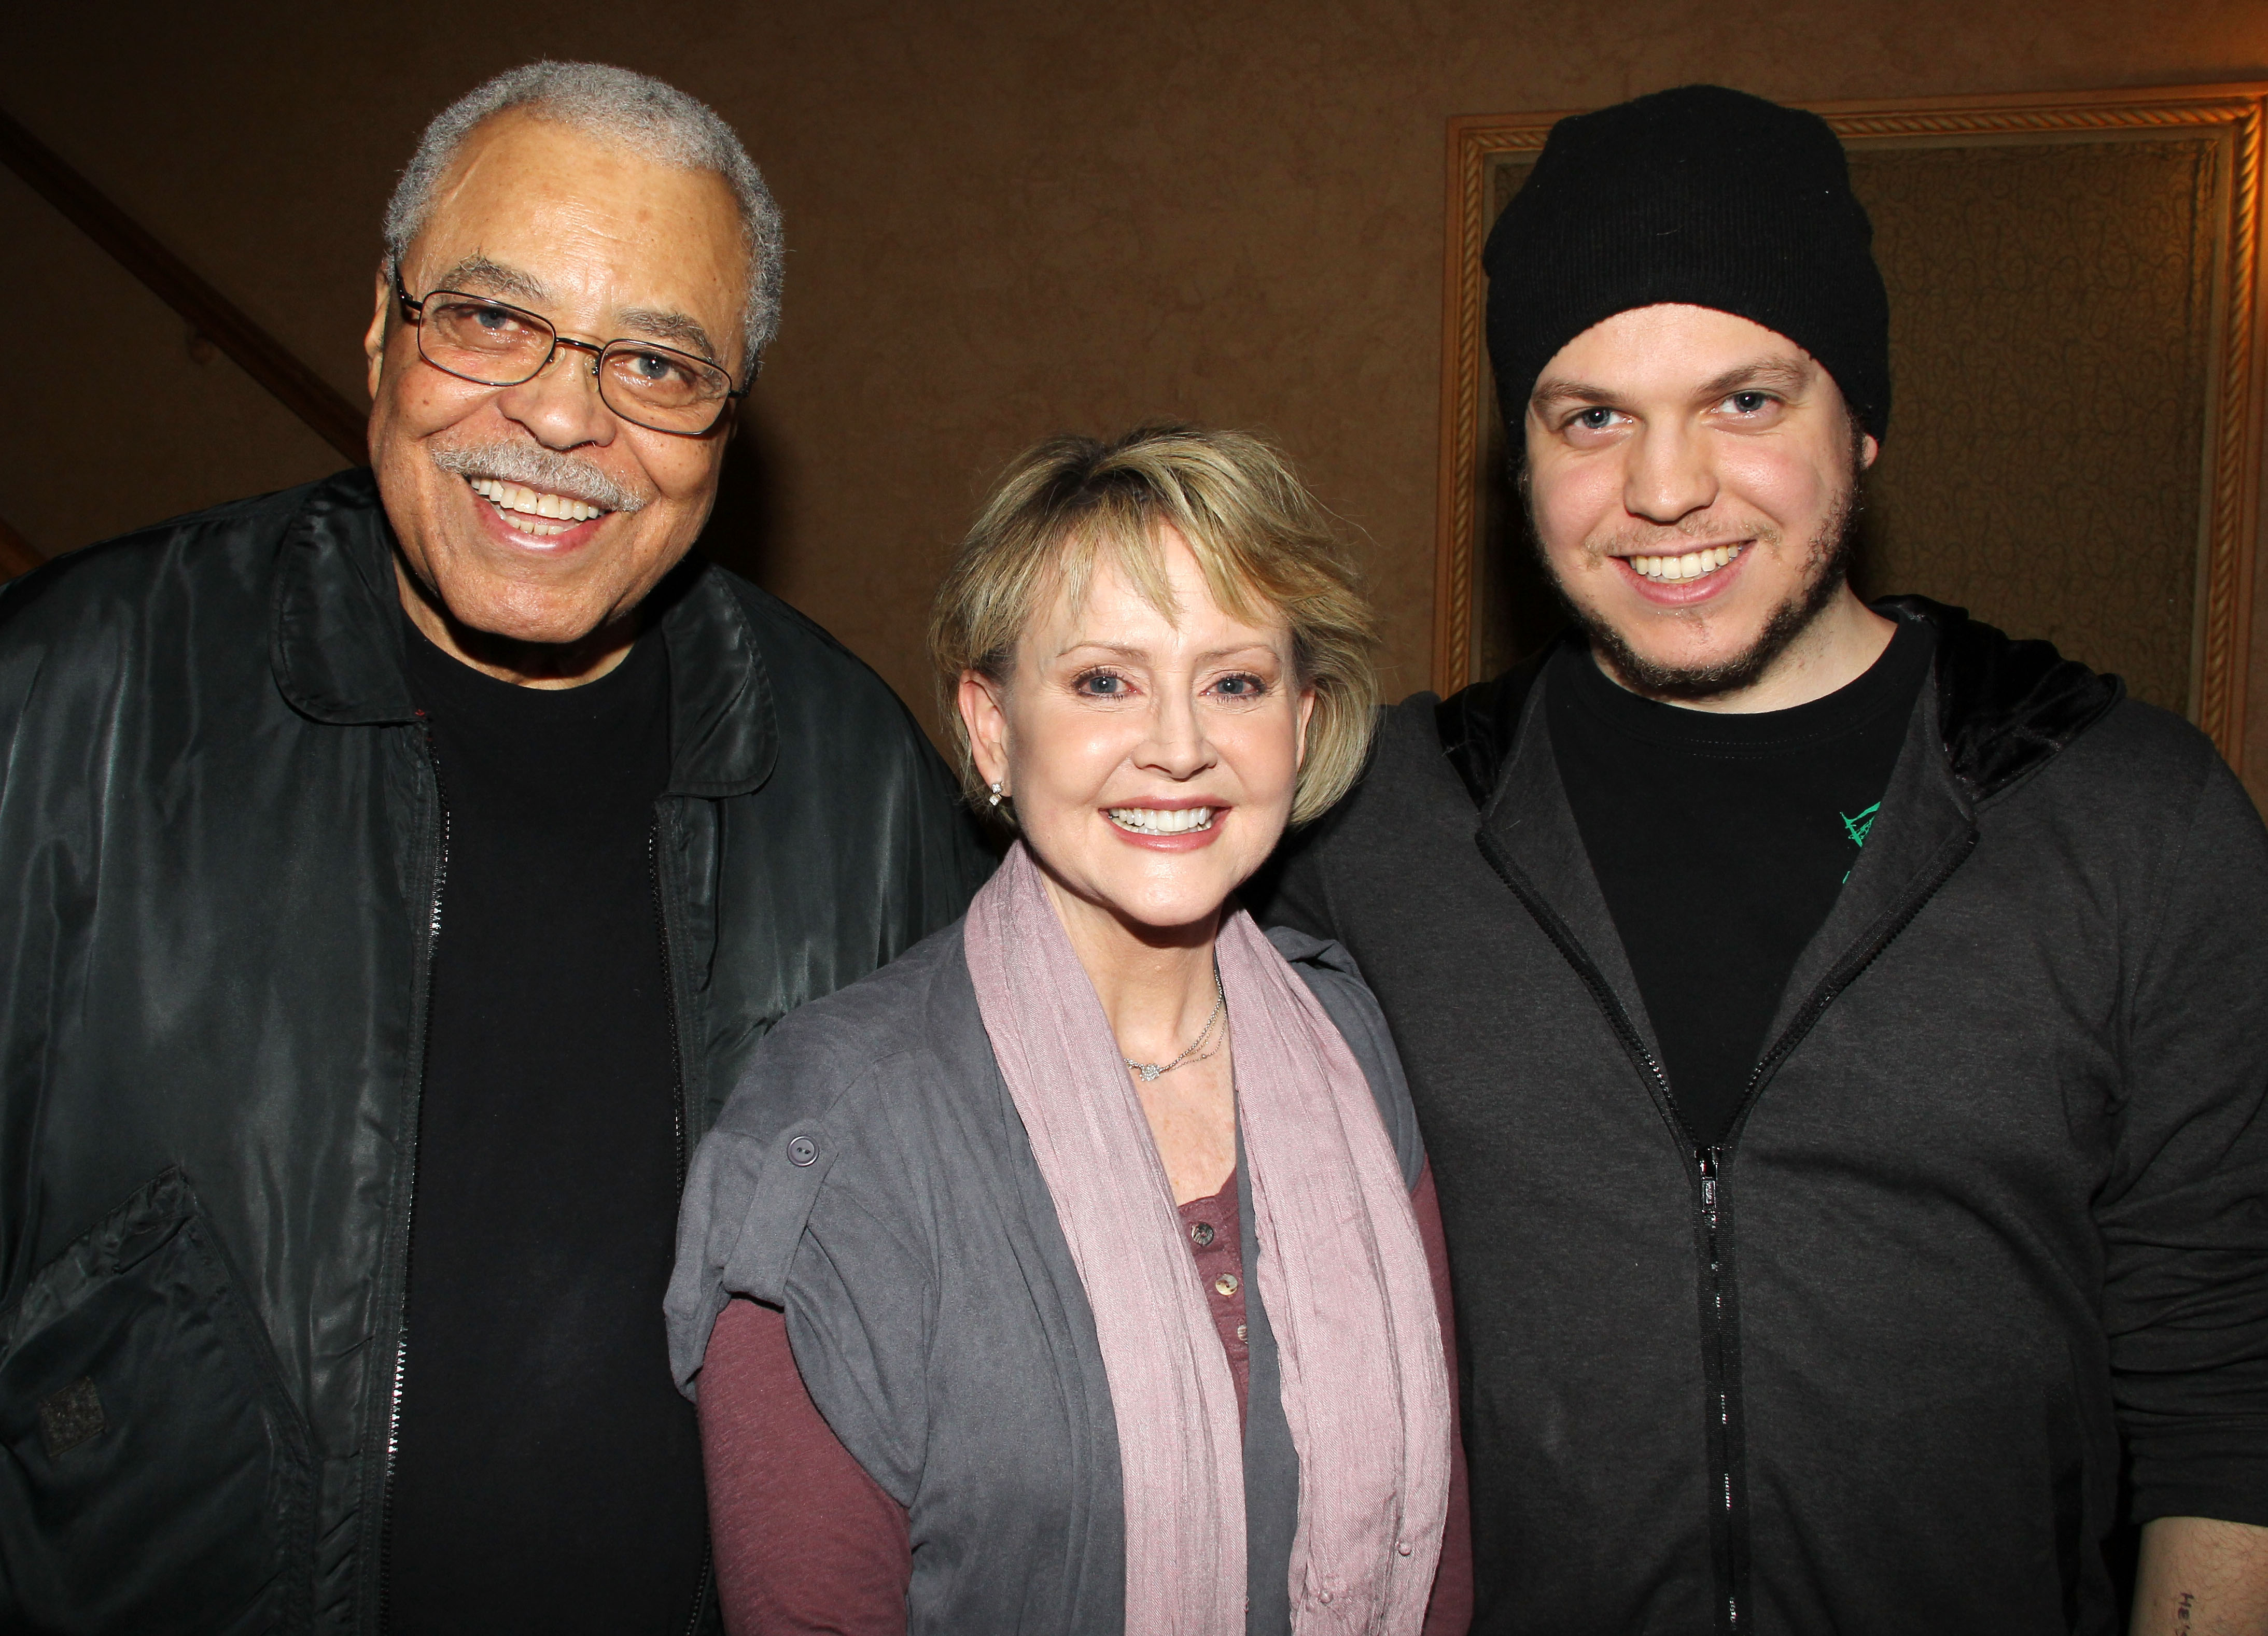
1150 1070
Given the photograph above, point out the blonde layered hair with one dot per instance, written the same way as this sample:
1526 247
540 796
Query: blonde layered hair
1266 548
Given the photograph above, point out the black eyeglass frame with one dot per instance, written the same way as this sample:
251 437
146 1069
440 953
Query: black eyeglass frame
413 313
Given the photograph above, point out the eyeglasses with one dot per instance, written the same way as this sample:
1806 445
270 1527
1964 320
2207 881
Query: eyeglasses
491 344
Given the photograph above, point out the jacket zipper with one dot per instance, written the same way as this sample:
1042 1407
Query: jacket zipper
668 993
1728 1523
677 1109
408 1224
1727 1510
1728 1504
409 1199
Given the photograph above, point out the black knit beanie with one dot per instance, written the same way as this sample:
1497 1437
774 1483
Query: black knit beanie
1703 196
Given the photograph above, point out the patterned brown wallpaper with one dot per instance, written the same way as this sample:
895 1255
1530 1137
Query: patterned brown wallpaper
1006 219
2051 314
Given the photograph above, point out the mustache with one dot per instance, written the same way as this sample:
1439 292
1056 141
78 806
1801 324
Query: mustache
535 466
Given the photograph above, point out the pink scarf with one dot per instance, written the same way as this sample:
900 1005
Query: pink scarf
1341 1273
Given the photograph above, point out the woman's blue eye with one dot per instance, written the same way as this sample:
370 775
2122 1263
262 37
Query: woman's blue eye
1102 685
1240 686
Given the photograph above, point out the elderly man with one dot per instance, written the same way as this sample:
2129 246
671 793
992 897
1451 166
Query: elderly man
395 874
1840 1032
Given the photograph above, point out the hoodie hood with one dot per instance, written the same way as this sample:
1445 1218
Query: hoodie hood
2006 707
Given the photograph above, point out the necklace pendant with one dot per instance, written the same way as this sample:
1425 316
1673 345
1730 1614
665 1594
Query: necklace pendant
1149 1071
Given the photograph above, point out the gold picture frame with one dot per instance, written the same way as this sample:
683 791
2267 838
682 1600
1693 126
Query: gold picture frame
2099 248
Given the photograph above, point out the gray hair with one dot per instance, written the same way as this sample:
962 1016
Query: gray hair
655 120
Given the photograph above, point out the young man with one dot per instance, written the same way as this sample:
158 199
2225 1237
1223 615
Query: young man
395 874
1841 1032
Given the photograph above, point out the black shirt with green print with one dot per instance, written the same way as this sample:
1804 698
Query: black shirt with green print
1719 843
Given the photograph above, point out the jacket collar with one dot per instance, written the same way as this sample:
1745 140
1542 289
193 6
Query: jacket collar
1529 832
336 634
2005 708
724 734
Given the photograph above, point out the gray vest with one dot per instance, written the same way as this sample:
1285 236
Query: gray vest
870 1177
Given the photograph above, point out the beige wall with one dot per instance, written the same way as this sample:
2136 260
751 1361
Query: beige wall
1006 219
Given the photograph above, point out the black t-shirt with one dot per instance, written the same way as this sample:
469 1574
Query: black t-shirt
548 1474
1719 843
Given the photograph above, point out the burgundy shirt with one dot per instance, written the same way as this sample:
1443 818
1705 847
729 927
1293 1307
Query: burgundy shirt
808 1544
1217 1240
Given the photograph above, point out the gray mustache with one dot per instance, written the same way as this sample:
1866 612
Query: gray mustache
538 467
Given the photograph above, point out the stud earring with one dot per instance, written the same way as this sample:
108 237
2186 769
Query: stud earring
995 792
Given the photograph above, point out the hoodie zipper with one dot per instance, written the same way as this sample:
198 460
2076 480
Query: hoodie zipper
409 1193
1718 1290
1729 1521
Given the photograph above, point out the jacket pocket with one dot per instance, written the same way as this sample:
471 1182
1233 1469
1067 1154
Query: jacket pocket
157 1475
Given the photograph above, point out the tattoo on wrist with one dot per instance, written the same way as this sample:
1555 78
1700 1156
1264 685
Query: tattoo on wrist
2182 1609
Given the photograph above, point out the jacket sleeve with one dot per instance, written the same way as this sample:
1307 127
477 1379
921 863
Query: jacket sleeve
859 1293
800 1198
944 857
2184 1213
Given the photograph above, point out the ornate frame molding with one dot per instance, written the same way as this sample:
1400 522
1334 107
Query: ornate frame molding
2222 644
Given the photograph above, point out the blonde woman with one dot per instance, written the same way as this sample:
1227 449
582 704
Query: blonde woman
1080 1271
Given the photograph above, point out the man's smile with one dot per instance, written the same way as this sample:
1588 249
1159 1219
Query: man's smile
532 511
1690 565
527 496
1688 578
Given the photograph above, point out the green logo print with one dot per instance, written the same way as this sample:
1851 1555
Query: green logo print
1858 828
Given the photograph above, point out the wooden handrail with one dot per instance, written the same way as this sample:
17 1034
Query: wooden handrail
212 314
17 555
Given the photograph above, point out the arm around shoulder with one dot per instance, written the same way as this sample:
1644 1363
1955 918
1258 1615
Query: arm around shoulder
1293 888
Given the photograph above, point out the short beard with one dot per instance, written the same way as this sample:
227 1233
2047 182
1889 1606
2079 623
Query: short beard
536 467
1829 561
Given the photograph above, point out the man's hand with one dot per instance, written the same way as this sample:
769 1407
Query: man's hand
2202 1578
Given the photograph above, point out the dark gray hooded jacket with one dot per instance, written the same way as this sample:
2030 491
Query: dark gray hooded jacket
1994 1216
221 845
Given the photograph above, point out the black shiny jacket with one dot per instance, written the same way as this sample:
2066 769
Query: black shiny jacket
221 848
